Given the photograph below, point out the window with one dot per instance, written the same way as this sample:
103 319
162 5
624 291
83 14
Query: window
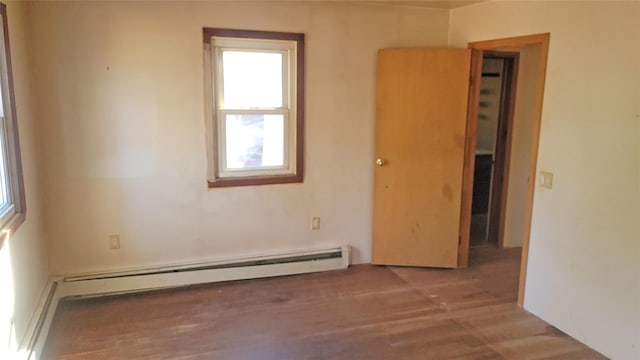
12 198
255 106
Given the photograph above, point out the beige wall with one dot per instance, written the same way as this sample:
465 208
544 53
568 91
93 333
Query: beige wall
521 143
24 255
583 274
120 88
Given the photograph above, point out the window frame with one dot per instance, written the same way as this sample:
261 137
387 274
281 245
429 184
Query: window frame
293 111
14 213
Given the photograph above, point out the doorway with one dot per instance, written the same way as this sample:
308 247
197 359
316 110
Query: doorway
493 145
533 50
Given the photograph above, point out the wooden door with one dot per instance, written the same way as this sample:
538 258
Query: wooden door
421 127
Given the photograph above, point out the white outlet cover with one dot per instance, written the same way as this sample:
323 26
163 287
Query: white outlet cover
546 179
114 242
315 223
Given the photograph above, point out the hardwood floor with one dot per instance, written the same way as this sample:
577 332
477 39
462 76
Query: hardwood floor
364 312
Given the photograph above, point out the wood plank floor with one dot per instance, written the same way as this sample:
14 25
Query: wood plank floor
364 312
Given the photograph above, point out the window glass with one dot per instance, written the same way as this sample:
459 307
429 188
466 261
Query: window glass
254 141
252 79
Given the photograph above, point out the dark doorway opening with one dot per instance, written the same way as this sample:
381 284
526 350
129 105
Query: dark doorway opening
493 145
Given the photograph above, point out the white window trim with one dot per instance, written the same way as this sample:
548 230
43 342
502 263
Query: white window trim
7 210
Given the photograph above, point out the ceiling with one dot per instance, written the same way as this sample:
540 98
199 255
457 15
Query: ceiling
440 4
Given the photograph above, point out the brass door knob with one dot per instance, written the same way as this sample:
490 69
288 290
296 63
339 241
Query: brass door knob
380 162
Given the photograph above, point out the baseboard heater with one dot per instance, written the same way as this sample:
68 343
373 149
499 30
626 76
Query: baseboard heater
36 334
151 278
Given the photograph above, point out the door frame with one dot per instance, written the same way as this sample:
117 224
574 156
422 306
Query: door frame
504 44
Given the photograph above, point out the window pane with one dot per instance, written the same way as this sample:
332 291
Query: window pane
252 79
254 141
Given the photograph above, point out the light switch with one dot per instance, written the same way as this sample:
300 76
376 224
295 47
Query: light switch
546 179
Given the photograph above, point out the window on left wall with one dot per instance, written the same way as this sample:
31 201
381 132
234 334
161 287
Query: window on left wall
12 196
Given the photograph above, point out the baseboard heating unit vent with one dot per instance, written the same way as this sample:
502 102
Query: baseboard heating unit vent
201 273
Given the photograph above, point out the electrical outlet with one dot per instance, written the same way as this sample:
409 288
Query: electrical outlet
546 179
315 223
114 242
